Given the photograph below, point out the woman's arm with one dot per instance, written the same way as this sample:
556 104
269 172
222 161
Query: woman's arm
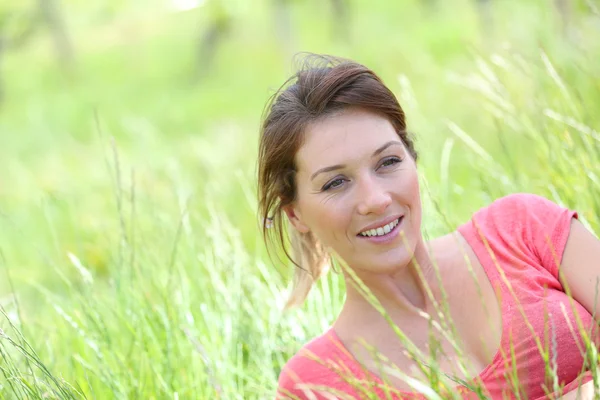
584 392
580 273
580 267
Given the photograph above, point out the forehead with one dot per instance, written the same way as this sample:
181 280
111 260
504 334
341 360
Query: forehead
342 137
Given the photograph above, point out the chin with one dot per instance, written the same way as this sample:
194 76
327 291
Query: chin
397 259
388 265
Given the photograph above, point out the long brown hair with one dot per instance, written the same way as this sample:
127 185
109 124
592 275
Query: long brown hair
322 85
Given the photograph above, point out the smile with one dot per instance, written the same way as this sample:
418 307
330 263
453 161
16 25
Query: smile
382 230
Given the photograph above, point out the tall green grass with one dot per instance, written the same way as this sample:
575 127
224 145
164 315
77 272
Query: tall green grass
131 258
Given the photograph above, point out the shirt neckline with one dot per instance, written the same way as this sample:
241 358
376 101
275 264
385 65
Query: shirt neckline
469 234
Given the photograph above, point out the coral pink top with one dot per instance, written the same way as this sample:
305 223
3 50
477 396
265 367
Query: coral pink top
526 235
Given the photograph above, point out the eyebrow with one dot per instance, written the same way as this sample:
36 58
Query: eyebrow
340 166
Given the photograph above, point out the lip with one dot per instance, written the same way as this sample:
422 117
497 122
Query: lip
380 224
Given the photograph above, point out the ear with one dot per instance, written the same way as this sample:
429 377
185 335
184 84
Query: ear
295 218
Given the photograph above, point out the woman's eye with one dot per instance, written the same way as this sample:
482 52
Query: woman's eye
334 184
390 161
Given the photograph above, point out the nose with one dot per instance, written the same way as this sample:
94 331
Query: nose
372 197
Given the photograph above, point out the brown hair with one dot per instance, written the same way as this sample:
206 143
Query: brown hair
322 85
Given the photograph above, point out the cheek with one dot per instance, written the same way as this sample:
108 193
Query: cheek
416 193
409 194
416 203
330 222
407 186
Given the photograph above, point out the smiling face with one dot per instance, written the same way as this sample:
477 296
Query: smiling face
357 190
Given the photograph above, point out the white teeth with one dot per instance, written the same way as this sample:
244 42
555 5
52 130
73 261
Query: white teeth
381 230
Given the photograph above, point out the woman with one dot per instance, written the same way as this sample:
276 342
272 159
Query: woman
482 310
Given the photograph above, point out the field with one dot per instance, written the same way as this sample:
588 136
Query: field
131 260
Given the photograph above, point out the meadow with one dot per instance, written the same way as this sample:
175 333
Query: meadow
132 264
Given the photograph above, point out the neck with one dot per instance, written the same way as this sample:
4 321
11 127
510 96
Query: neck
401 293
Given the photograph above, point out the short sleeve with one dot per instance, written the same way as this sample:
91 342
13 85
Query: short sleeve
550 225
532 225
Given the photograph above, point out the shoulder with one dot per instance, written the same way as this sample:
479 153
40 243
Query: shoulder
520 203
522 225
520 212
317 368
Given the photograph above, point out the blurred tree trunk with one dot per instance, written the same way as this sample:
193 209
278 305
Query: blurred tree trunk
283 25
341 18
51 14
2 49
564 10
210 40
484 11
16 28
340 9
486 16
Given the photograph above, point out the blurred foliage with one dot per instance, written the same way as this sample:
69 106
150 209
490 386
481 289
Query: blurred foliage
183 139
139 161
134 119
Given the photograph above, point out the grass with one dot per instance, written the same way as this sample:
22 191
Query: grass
131 256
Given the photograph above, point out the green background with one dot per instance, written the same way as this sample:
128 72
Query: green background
131 259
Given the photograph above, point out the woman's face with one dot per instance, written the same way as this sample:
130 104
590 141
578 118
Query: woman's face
358 190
